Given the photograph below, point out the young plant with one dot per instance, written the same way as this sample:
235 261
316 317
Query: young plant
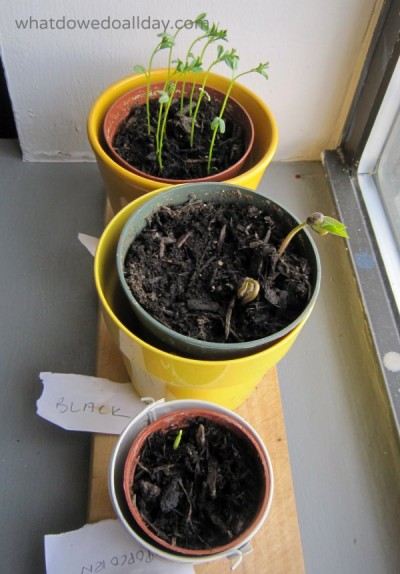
167 41
221 56
166 98
218 125
321 224
200 22
181 68
248 290
213 35
177 440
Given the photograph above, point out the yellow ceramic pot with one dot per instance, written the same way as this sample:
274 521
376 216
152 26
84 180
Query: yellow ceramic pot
158 373
123 186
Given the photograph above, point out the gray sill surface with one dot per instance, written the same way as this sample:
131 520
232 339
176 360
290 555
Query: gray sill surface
343 448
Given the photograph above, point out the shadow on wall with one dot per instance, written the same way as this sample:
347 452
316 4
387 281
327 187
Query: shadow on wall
7 123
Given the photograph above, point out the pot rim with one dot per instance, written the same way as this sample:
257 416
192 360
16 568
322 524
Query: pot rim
197 344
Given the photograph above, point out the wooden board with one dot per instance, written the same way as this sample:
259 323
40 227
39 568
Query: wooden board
277 546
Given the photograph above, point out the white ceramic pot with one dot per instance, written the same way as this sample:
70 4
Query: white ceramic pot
116 477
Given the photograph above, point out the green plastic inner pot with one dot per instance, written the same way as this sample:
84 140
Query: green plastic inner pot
206 192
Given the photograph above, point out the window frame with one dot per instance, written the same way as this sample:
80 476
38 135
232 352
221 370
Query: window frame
341 165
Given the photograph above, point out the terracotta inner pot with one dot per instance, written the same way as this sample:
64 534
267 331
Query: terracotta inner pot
121 108
179 420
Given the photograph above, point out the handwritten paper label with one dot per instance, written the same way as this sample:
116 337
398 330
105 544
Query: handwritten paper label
104 547
82 403
89 242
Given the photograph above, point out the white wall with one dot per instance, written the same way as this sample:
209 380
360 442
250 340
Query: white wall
315 49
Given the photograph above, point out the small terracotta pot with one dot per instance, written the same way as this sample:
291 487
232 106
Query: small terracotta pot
120 110
178 420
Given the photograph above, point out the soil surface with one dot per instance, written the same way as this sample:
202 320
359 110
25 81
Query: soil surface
187 264
201 494
180 161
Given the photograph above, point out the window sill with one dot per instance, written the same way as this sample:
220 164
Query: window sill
374 286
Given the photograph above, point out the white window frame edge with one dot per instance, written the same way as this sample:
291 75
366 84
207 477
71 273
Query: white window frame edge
367 167
382 315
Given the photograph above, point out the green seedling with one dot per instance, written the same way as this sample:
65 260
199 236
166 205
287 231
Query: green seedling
167 41
321 224
221 55
177 440
231 59
166 99
248 290
200 22
213 35
178 71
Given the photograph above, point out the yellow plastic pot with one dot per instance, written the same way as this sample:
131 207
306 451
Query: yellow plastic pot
158 373
123 186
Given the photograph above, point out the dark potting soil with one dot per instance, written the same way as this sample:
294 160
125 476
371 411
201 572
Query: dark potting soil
202 494
180 161
186 265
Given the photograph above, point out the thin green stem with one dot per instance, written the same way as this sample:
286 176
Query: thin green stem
215 131
183 91
186 63
194 83
199 99
178 439
169 75
159 119
290 236
148 78
161 133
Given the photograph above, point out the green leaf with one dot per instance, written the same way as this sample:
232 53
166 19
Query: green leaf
334 226
180 66
164 97
195 65
261 69
139 69
222 35
231 59
218 124
324 224
215 34
201 22
167 41
213 31
177 439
